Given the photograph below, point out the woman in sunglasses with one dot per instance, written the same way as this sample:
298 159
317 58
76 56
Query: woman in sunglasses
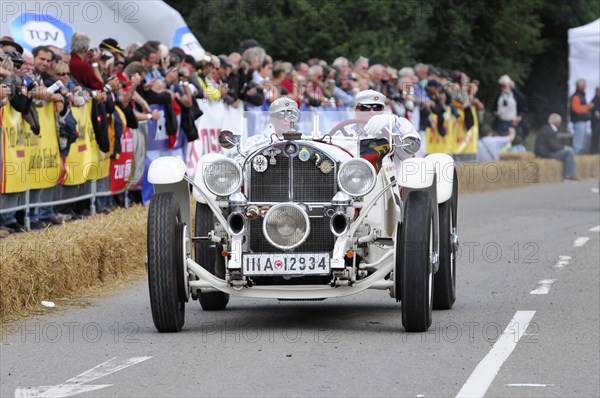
77 96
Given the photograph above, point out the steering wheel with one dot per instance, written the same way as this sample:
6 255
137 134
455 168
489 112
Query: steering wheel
341 127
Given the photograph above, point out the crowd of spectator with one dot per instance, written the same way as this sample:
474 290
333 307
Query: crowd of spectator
134 77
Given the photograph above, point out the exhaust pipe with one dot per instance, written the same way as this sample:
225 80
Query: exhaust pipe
339 223
237 223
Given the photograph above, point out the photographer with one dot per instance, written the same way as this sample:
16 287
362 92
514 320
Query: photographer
250 91
82 71
313 94
437 104
153 90
12 83
209 78
4 93
177 82
10 92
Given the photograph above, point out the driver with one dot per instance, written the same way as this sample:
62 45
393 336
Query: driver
277 115
278 124
370 105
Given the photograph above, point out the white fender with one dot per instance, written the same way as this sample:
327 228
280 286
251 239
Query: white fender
166 170
199 177
444 168
416 173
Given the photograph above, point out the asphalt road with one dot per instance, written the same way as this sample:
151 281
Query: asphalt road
498 340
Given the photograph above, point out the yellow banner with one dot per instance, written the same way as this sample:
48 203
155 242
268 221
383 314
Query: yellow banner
44 158
29 161
435 142
457 140
14 162
466 140
85 161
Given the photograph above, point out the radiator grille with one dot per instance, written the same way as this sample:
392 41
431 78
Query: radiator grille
272 184
310 184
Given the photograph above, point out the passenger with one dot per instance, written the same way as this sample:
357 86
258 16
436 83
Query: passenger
370 105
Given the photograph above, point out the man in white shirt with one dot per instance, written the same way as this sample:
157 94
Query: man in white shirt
490 146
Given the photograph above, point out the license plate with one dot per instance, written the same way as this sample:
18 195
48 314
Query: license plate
286 264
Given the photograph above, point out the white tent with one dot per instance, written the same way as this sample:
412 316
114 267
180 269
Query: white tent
43 22
584 57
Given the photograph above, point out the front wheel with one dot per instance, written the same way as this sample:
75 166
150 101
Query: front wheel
414 264
166 263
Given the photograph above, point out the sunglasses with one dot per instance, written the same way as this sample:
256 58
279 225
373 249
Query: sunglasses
63 74
369 107
291 115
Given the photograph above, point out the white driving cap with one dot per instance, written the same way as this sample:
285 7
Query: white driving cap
370 97
282 103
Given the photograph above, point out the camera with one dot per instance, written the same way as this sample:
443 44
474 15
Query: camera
173 60
29 83
180 73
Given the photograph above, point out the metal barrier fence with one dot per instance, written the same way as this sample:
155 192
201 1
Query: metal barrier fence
31 199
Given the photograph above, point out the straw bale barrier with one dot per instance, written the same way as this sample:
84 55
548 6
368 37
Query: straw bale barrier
520 169
65 262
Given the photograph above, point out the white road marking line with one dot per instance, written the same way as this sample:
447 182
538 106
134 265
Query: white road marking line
562 262
104 369
482 377
529 385
543 286
594 190
595 229
579 242
76 385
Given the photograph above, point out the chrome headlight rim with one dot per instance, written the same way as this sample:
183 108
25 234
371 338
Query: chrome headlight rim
306 220
349 163
234 188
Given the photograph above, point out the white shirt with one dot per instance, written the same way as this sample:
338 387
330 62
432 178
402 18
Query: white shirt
489 148
507 107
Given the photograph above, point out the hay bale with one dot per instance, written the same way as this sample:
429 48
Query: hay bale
65 261
505 174
519 156
588 166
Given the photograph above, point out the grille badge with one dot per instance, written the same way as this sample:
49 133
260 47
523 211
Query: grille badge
304 155
271 153
259 164
326 166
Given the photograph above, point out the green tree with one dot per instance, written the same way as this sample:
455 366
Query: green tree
526 39
546 85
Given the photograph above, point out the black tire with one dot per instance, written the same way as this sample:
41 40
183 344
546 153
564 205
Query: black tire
444 293
165 263
415 268
208 255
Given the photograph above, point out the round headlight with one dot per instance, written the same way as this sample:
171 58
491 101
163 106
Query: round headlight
356 177
222 177
286 226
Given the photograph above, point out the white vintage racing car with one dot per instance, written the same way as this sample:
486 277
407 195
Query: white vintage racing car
303 217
